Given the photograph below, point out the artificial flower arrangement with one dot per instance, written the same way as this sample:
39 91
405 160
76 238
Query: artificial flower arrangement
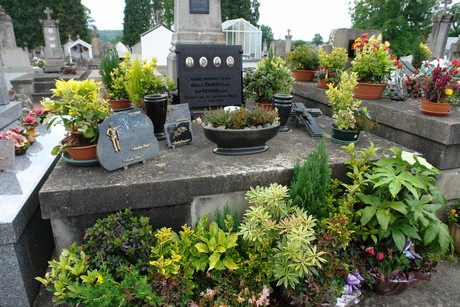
19 137
436 81
373 62
453 214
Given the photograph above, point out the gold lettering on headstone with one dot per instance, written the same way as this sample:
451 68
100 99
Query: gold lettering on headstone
143 146
133 158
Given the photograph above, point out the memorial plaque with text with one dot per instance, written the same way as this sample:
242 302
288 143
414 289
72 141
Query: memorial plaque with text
126 138
199 6
209 75
178 127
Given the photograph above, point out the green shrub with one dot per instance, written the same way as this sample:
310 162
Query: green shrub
120 239
310 182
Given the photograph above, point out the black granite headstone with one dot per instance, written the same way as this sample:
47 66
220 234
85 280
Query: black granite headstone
209 75
199 6
126 138
178 127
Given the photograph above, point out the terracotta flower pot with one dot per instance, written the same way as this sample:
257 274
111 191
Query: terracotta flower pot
303 75
266 104
118 104
369 91
322 83
454 230
435 108
82 152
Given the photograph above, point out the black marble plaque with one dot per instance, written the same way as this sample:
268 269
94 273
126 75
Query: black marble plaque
126 138
209 75
179 133
199 6
6 154
178 127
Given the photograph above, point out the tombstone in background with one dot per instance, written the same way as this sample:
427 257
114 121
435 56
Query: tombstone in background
9 112
195 22
66 47
54 56
440 32
12 56
79 49
4 97
344 38
95 43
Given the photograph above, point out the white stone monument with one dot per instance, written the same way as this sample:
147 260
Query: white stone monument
195 22
12 56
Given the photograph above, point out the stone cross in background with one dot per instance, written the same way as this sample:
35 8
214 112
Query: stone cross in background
446 3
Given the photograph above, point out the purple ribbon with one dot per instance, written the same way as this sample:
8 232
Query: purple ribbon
409 253
353 283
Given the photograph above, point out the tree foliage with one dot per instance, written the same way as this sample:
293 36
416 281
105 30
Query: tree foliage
137 20
25 14
267 35
246 9
317 39
455 29
405 23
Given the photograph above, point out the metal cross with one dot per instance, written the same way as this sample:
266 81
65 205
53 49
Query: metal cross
48 12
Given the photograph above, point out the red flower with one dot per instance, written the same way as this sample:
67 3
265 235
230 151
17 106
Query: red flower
380 256
363 36
15 130
370 251
29 120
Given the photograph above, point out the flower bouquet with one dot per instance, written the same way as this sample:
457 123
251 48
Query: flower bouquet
21 142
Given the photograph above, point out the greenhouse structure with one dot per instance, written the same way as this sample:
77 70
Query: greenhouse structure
241 32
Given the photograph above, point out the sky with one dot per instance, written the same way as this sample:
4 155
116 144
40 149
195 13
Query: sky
304 18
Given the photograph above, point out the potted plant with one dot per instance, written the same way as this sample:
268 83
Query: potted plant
240 132
373 64
331 66
79 107
437 85
270 77
303 61
350 117
453 219
142 80
113 73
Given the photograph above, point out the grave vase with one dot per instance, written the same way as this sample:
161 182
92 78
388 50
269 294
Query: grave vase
283 102
156 107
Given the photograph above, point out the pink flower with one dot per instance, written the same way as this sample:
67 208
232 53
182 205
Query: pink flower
380 256
370 251
29 120
37 112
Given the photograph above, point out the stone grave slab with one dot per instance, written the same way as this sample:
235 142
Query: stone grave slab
178 126
6 154
126 138
209 76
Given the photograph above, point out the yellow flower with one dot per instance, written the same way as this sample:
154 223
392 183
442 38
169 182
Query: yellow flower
453 211
448 91
100 279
